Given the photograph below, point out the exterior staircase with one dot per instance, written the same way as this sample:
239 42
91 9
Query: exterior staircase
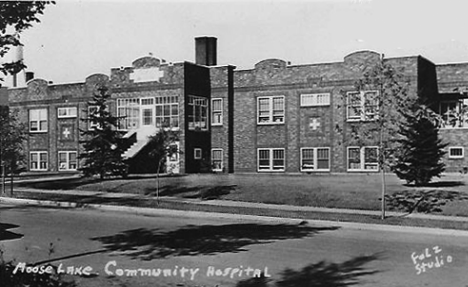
142 138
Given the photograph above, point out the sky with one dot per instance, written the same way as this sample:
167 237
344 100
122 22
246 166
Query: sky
78 38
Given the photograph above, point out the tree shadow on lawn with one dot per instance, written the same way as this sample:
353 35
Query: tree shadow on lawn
321 274
8 235
148 244
73 183
424 201
82 200
202 192
62 184
440 184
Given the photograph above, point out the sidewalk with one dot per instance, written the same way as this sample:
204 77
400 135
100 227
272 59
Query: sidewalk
92 199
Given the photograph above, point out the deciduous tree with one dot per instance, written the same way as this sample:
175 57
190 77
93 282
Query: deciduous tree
15 17
162 145
12 137
382 95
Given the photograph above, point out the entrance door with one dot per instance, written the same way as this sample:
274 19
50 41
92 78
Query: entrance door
147 116
172 161
147 112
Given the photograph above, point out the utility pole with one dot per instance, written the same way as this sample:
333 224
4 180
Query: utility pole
381 135
2 164
3 179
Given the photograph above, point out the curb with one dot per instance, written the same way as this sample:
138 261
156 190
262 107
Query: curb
238 217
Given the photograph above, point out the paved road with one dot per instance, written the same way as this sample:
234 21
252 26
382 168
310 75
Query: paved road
197 247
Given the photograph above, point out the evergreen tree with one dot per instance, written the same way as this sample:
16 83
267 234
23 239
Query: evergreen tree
421 150
102 141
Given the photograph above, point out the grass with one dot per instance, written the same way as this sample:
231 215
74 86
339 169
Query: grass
353 191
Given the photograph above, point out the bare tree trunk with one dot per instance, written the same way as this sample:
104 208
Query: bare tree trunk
383 192
382 171
157 181
3 180
381 142
11 184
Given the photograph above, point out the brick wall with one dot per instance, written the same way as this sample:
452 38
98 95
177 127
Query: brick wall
455 138
196 83
275 77
219 79
41 95
240 133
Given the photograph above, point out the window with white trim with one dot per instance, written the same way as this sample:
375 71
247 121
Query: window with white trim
363 158
147 101
38 120
197 113
197 153
315 159
217 159
271 159
38 160
270 110
66 112
315 100
92 124
217 112
67 160
128 110
167 112
454 113
362 106
456 152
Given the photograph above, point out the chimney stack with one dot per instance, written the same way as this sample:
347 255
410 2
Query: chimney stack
29 76
205 51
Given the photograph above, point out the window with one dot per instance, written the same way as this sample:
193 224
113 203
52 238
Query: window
38 120
167 112
67 160
362 106
217 159
363 159
147 101
456 152
67 112
217 112
270 110
197 113
128 110
91 111
197 153
38 160
314 100
147 116
454 113
271 159
315 159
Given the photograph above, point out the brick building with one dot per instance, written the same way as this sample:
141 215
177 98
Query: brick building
276 117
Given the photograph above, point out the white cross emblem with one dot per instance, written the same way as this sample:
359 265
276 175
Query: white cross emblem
66 132
314 124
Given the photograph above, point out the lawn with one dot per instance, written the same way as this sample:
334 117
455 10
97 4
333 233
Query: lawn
354 191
